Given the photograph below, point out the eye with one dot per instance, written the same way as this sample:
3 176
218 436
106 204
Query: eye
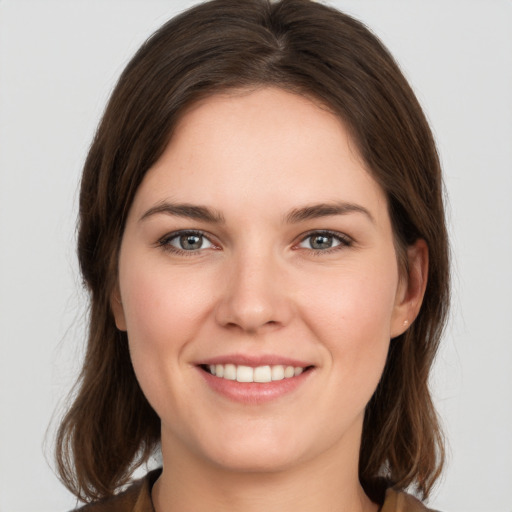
324 240
186 241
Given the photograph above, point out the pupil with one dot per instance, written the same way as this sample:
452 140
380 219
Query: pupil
321 242
191 242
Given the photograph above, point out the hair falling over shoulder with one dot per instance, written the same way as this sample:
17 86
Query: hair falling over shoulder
307 48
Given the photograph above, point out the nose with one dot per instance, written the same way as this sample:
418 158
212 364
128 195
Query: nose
254 296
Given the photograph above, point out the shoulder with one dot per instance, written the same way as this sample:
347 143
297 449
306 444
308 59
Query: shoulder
136 498
398 501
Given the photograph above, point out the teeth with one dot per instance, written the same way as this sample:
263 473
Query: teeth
230 372
289 371
277 372
244 374
262 374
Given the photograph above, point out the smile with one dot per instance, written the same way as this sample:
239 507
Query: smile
254 380
261 374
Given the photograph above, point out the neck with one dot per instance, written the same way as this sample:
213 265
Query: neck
323 484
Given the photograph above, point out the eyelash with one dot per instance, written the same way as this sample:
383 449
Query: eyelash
344 241
165 242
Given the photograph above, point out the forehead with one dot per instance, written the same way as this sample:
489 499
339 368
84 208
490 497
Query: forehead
252 148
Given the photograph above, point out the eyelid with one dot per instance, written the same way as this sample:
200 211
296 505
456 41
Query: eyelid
163 242
344 239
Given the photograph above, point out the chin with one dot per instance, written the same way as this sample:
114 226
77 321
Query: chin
255 462
253 454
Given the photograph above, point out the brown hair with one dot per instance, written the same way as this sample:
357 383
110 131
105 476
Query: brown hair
310 49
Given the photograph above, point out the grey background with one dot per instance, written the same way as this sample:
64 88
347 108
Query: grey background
58 63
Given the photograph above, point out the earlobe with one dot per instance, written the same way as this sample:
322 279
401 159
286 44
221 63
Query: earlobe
116 306
411 288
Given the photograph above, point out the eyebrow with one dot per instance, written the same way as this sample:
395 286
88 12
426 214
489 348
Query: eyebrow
317 211
296 215
189 211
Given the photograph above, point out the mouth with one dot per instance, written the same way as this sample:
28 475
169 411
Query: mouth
256 374
255 379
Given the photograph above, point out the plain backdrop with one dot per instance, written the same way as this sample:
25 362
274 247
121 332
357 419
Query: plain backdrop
58 62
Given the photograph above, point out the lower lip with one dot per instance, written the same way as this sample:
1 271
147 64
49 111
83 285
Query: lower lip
254 392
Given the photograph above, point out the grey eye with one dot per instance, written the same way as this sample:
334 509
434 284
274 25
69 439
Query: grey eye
319 241
190 242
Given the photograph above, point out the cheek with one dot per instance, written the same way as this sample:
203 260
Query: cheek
351 315
163 312
353 300
161 306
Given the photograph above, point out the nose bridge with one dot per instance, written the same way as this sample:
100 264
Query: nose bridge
254 295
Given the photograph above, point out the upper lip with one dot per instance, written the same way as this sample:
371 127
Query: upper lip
255 360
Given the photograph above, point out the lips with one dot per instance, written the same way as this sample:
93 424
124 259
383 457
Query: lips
254 379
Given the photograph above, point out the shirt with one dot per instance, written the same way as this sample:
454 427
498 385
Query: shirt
137 498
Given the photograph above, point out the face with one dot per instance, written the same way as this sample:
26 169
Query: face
258 284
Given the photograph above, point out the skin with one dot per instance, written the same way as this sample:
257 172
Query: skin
256 286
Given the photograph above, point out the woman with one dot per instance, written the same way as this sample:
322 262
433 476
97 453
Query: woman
262 235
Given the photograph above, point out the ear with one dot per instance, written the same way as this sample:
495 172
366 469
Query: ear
411 288
116 306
